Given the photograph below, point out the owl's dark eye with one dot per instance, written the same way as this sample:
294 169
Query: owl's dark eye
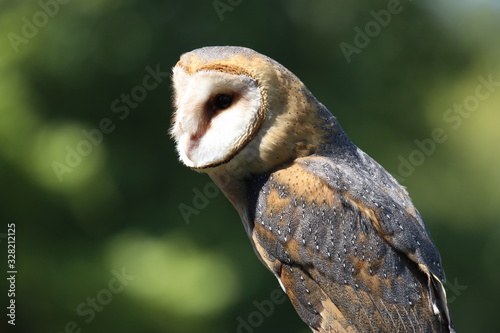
223 101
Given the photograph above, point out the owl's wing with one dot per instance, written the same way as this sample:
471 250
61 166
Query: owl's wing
348 247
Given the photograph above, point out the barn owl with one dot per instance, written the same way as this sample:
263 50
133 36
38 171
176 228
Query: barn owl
337 230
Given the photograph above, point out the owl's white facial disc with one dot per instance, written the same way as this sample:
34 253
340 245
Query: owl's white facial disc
214 115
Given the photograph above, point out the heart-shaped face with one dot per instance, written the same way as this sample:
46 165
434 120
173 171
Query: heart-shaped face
215 115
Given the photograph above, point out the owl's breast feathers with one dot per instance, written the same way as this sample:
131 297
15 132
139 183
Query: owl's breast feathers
348 246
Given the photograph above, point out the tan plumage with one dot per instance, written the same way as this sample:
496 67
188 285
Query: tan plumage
339 233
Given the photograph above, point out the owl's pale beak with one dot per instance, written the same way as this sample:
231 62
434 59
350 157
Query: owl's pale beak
191 144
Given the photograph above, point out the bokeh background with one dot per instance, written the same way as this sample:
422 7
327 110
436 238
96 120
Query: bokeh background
69 67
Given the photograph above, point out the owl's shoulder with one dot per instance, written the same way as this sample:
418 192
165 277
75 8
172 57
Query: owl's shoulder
337 194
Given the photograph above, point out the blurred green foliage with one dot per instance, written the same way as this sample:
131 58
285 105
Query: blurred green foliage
89 207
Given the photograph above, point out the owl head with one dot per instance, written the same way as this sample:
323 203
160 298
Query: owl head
232 103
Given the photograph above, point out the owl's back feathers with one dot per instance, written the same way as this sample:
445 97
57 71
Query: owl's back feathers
353 253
